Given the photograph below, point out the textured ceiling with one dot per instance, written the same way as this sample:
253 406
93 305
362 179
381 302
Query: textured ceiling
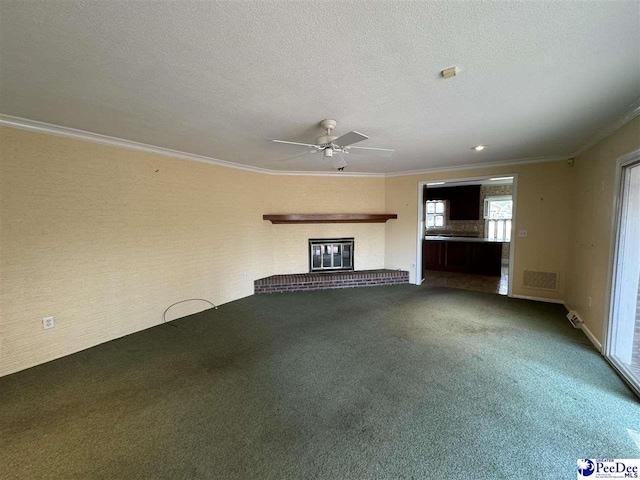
221 79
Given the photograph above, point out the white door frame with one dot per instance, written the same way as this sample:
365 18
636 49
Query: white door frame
420 236
607 347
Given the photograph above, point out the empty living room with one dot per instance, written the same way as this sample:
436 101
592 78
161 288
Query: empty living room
319 239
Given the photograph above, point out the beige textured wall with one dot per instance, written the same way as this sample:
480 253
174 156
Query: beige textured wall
542 209
105 238
592 225
294 194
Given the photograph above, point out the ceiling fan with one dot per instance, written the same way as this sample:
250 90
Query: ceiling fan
330 144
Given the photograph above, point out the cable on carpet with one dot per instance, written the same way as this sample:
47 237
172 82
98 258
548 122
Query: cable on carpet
164 315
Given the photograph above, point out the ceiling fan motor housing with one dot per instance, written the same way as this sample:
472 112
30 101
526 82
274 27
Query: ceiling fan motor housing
325 139
327 124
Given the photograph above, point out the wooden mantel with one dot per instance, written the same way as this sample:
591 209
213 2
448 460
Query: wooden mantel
330 218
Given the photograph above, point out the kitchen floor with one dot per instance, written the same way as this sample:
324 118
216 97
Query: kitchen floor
469 281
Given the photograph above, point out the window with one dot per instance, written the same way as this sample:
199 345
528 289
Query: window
497 214
435 213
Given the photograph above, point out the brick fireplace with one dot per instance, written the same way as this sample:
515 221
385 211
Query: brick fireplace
331 261
323 281
331 265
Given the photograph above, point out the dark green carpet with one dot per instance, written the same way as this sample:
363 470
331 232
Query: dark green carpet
384 382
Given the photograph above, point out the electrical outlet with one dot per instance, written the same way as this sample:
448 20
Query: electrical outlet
522 233
589 301
48 322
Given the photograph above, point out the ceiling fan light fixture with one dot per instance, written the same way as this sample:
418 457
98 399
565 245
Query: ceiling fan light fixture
332 147
479 148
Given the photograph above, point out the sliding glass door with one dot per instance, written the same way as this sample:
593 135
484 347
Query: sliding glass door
623 339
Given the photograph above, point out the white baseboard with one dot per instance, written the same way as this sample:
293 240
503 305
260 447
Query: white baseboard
590 336
539 299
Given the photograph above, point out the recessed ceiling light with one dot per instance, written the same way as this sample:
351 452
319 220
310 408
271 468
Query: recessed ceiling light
502 178
479 148
434 183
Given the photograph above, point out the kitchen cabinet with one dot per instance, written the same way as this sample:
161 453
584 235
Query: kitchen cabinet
463 201
456 254
478 256
433 255
485 258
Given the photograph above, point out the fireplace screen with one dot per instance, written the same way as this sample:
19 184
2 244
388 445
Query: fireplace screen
330 254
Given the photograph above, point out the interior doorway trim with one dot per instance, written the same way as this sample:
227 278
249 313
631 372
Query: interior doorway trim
420 233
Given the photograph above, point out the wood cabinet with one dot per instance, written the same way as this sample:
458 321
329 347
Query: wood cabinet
464 201
433 255
484 258
455 259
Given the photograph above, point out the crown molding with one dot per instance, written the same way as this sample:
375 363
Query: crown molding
627 115
35 126
472 166
296 173
42 127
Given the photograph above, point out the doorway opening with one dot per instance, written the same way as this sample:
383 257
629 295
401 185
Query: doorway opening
465 232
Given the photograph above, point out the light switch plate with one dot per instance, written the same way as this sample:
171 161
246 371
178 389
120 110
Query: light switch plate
522 233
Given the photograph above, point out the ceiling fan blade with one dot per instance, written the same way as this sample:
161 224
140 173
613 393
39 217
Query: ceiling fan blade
349 138
338 163
297 156
378 152
293 143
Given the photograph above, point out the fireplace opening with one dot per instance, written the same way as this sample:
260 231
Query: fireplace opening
330 254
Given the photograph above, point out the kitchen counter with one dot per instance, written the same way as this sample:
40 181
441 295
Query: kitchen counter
462 254
442 238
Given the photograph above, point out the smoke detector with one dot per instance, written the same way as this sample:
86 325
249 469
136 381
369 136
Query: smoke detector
449 72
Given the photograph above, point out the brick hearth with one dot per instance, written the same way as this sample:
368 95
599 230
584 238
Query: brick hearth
324 281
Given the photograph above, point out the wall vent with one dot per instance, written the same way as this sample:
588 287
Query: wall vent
541 280
575 320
